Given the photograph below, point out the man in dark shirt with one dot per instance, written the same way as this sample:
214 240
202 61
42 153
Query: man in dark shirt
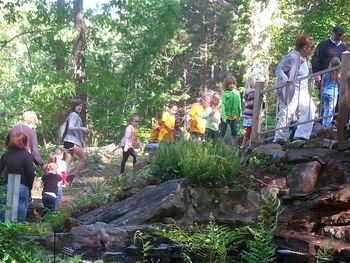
326 50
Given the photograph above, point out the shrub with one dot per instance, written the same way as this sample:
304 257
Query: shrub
204 163
14 247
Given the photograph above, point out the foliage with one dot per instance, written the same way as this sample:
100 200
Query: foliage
138 237
269 162
97 193
203 163
14 247
325 254
261 247
211 242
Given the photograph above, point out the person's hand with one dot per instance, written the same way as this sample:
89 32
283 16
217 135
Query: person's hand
86 130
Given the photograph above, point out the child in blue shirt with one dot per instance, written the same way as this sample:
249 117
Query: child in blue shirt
331 83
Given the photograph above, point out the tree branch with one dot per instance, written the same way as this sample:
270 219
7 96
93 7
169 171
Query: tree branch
226 5
5 42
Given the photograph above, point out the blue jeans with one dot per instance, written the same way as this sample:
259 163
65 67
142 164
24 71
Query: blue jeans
59 196
23 203
329 103
233 126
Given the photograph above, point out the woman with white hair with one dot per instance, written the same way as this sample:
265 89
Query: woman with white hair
30 121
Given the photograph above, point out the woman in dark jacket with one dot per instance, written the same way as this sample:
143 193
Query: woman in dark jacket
17 160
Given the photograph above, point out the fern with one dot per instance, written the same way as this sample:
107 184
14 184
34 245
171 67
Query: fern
261 248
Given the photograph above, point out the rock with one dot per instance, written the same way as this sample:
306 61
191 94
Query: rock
152 204
344 146
97 236
331 144
303 178
270 149
296 144
333 174
339 232
169 221
306 155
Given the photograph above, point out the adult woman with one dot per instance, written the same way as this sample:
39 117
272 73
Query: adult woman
73 140
295 95
17 160
30 120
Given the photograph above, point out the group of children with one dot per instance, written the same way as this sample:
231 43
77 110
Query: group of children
207 118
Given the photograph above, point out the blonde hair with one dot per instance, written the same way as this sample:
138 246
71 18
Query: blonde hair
30 117
51 167
250 83
335 74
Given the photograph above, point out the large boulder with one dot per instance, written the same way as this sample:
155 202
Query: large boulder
307 155
272 149
150 205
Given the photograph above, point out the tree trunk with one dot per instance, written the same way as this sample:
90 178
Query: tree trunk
79 54
59 62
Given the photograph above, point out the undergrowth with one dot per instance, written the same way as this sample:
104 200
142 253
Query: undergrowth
203 163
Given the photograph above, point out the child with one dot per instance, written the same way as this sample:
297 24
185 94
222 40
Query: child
231 106
153 140
177 128
166 133
197 123
331 83
248 109
57 156
130 142
212 116
50 180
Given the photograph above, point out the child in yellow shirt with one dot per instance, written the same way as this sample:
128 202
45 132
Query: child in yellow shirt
166 133
197 122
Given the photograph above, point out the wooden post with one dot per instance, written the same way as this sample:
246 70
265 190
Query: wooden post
13 184
256 121
343 104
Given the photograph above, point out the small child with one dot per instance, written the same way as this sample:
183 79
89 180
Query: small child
166 133
231 107
49 193
248 109
57 156
130 142
177 131
331 83
153 140
213 118
197 123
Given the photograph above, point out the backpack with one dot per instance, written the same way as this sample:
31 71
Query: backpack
63 130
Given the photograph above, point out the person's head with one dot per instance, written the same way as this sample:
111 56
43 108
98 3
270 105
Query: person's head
335 74
18 141
51 168
77 105
337 33
215 100
305 45
250 83
229 83
134 121
159 116
172 109
52 158
204 100
30 118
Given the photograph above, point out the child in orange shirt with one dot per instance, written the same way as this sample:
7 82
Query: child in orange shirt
153 140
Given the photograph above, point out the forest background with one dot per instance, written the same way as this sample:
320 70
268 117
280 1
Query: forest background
134 56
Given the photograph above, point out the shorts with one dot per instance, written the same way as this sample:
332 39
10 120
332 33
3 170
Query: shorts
247 122
68 145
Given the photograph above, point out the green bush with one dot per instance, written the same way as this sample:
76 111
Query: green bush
14 247
204 163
